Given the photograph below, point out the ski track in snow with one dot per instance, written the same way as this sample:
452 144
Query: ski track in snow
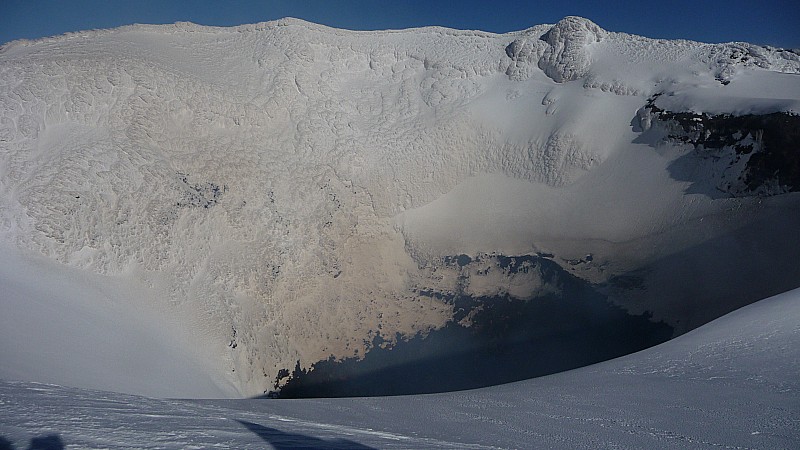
285 188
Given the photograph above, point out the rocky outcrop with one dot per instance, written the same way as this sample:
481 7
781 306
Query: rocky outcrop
753 154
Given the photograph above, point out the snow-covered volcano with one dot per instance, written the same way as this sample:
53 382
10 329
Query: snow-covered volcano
285 194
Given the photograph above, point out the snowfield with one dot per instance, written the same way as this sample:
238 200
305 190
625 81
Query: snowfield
730 383
195 211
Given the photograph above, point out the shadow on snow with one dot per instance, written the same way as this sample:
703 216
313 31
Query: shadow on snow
284 440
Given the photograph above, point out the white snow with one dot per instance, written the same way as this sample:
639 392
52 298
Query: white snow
273 189
779 94
72 327
731 383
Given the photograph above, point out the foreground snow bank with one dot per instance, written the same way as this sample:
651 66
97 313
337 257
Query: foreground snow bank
732 383
71 327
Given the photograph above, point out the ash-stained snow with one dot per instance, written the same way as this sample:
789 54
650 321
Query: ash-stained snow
281 187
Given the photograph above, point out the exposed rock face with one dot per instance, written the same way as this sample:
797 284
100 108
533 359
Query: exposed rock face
754 154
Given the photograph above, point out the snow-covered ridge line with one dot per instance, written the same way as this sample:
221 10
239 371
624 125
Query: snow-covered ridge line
563 50
191 27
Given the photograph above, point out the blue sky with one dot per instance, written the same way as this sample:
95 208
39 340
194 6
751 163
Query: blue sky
770 22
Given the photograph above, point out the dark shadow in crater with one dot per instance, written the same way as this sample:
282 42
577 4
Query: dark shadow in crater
755 258
509 340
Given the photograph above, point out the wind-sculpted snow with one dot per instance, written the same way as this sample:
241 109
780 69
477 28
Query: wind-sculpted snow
276 181
567 57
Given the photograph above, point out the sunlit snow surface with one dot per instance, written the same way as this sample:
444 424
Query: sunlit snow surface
732 383
210 207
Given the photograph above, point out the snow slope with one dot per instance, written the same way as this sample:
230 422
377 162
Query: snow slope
81 329
730 383
291 191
